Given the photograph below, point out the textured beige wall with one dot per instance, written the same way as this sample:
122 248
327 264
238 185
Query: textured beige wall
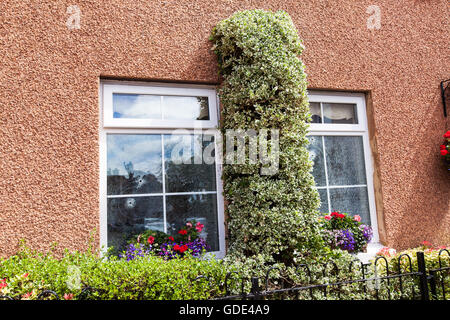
49 79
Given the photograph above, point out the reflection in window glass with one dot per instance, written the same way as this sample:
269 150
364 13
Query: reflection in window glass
316 114
184 166
185 108
339 113
128 216
315 149
136 106
199 207
351 200
342 165
134 164
345 160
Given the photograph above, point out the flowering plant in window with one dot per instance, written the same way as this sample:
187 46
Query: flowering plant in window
186 241
445 149
346 232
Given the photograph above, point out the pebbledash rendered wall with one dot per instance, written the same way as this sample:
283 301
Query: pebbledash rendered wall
50 72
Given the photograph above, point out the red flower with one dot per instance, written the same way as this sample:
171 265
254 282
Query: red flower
182 232
25 275
442 146
427 244
183 248
327 217
176 247
150 240
447 135
444 152
171 238
334 214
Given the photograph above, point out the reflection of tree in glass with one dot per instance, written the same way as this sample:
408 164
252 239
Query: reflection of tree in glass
136 181
204 108
189 176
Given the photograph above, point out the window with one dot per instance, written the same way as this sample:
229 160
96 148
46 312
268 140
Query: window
339 148
158 167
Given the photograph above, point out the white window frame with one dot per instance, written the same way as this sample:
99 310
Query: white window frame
359 129
160 90
109 125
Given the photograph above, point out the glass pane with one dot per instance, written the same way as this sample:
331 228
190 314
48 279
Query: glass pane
315 149
345 160
130 216
323 201
352 200
185 167
136 106
339 113
316 115
199 207
186 108
134 164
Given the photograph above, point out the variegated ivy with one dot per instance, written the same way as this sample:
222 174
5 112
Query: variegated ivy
270 218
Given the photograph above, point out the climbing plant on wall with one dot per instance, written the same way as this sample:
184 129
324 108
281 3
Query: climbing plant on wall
270 217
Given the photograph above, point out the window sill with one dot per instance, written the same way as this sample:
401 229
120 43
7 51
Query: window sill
372 249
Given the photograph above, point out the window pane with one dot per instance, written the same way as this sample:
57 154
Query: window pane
323 201
315 112
185 168
339 113
352 200
315 149
136 106
185 108
199 207
345 160
134 164
130 216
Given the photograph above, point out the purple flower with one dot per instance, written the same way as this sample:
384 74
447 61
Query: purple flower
132 252
366 231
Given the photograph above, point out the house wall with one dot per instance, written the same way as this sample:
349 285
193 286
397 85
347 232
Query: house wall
49 100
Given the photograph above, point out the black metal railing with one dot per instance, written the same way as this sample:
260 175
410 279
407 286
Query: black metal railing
380 283
379 280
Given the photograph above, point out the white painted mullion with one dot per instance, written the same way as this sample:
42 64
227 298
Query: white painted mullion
164 182
137 195
321 113
348 186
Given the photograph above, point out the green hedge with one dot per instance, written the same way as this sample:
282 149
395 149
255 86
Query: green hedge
144 278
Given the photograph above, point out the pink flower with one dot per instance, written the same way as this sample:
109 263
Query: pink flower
189 225
388 252
25 275
357 218
68 296
3 283
327 217
26 295
199 227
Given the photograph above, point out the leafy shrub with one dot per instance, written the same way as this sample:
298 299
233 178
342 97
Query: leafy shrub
272 218
399 262
149 277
